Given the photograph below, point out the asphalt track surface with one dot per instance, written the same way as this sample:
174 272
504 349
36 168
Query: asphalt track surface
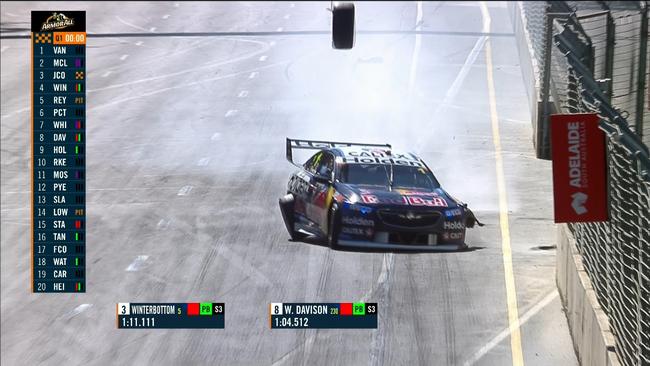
185 161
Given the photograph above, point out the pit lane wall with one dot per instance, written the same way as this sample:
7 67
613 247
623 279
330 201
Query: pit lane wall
592 339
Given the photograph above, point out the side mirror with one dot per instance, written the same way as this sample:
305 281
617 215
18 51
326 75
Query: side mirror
342 25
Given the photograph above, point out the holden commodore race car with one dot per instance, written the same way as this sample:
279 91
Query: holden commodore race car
367 195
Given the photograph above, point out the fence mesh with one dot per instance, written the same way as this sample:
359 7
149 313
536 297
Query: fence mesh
615 253
619 32
534 17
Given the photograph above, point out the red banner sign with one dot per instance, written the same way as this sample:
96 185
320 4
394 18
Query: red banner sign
579 168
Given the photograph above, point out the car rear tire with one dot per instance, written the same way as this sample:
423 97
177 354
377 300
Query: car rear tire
286 207
333 226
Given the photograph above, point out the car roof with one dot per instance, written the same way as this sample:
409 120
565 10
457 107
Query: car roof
375 155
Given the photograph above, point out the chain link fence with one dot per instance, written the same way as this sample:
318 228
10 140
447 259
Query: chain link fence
618 31
616 253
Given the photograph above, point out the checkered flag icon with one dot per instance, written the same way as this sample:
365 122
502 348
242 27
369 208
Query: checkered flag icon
43 38
79 75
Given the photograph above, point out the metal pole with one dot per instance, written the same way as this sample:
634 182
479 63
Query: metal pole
643 54
543 149
609 54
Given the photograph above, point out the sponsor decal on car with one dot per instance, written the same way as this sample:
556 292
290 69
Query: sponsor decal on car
405 200
338 197
380 157
369 198
406 192
356 231
453 235
454 212
356 207
453 225
433 202
352 220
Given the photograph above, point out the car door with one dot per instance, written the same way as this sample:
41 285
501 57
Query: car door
301 186
321 188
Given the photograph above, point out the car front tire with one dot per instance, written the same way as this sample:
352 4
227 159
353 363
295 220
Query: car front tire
286 207
333 226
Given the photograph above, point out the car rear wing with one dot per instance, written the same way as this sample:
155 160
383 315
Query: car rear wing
319 145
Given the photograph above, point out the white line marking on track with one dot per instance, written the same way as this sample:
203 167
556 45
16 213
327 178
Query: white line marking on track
292 5
280 29
264 48
139 43
453 90
253 75
152 29
176 5
263 57
506 249
166 16
16 112
123 57
178 86
230 113
106 74
163 224
203 162
17 223
242 94
4 48
272 43
287 16
507 331
78 310
185 190
129 24
137 263
216 136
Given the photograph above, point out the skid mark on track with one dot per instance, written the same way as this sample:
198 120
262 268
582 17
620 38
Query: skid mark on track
417 329
448 304
242 264
313 293
378 342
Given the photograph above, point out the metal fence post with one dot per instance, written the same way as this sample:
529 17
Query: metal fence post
640 95
609 54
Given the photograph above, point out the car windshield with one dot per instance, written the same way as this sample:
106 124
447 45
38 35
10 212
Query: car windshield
379 175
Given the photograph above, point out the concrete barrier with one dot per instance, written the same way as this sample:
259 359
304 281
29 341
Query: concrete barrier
592 339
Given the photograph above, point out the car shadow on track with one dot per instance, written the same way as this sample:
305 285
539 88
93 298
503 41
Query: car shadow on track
321 243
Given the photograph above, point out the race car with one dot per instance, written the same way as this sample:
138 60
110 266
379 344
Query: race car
368 195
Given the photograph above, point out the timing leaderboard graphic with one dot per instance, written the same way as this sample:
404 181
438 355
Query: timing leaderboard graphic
58 151
323 315
205 315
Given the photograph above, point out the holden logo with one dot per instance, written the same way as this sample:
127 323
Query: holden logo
453 225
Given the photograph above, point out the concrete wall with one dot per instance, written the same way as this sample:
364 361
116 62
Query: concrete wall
527 63
592 339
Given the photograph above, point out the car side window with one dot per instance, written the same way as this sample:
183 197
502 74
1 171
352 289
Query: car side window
312 164
326 165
